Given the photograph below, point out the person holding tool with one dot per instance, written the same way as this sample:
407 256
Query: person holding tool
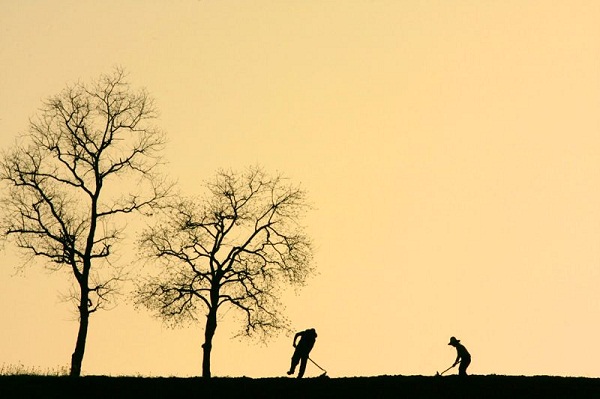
462 356
303 348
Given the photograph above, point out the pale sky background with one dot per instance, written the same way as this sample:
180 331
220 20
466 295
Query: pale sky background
451 150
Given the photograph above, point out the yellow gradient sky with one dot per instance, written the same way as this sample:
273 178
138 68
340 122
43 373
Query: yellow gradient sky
451 150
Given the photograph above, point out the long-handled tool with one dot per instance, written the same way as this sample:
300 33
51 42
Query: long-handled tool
442 373
322 369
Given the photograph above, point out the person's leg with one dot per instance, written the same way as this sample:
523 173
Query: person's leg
295 360
303 361
462 369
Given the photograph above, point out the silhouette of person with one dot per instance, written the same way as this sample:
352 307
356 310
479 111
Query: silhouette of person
303 348
462 356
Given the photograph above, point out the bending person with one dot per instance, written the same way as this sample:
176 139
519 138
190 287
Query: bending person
303 348
462 356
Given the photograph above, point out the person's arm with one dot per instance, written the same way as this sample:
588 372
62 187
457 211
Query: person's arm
457 360
295 338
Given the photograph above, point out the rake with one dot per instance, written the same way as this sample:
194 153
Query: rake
322 369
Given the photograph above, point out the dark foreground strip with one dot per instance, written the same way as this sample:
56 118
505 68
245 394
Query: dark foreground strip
488 387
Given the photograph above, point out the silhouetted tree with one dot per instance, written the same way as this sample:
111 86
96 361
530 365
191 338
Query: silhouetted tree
235 248
89 156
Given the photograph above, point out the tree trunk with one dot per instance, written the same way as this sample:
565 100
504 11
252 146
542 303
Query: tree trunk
84 317
209 333
83 280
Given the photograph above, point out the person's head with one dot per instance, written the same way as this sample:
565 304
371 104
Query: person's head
453 341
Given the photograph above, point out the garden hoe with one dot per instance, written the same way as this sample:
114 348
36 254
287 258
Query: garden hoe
442 373
324 375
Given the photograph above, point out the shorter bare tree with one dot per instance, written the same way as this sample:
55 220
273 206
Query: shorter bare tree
235 248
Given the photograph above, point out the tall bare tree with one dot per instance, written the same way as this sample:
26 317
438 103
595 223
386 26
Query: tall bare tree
234 248
89 157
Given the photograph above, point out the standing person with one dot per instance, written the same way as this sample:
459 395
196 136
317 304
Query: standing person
303 348
462 356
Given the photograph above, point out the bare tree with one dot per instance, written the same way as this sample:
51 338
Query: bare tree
89 157
234 248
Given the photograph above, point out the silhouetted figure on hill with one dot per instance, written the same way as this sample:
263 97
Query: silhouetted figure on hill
303 348
462 356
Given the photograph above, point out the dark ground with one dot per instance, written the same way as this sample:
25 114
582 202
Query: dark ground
289 388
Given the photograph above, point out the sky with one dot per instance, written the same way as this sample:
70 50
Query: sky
451 151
